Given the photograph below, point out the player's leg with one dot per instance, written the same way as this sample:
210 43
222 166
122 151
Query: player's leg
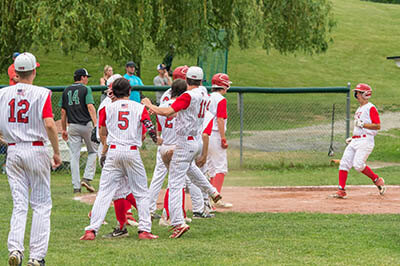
200 180
346 163
74 145
38 171
19 186
160 171
195 195
92 147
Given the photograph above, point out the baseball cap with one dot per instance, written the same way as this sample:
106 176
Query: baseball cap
15 54
130 63
160 66
111 79
195 73
81 72
25 62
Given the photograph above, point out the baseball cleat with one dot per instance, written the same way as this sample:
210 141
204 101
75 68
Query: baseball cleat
155 216
380 184
216 197
209 206
179 230
87 185
131 221
202 215
117 233
146 235
15 258
164 222
89 235
221 204
340 194
33 262
187 220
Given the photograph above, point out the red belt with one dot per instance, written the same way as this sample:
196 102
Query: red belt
358 137
190 138
115 146
34 143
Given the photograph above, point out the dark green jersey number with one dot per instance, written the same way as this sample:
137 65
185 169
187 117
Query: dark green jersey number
73 98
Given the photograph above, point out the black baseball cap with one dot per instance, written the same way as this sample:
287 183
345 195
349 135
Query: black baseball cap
82 72
130 63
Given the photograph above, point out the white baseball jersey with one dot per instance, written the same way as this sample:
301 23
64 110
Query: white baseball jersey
165 97
26 105
123 119
103 104
218 108
166 126
368 114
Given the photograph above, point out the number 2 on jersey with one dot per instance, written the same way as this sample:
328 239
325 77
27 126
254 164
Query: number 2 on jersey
21 112
123 119
168 122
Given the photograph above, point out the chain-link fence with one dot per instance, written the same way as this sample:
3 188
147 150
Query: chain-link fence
267 128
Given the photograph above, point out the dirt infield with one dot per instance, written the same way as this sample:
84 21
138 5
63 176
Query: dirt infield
361 199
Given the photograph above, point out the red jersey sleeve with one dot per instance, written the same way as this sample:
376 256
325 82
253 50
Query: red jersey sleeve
102 117
222 110
159 128
145 115
373 113
208 129
182 102
47 109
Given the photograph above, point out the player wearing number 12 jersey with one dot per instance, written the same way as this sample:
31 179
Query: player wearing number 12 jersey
26 123
190 108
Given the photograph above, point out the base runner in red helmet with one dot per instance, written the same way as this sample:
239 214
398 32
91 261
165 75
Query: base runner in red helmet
361 144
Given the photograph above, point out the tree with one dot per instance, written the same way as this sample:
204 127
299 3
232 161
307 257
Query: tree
125 29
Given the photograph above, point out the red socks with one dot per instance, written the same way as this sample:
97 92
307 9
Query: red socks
166 203
368 172
219 181
132 200
342 178
120 211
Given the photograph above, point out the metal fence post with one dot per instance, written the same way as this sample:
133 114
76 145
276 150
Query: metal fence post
348 111
241 127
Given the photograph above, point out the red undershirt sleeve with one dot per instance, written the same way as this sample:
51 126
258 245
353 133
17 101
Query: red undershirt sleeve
102 117
47 109
222 110
159 128
373 113
208 129
182 102
145 116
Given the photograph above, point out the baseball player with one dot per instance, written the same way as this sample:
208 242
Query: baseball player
26 125
77 109
121 124
190 108
361 144
160 171
217 163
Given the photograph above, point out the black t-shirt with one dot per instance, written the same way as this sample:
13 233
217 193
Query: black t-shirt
74 100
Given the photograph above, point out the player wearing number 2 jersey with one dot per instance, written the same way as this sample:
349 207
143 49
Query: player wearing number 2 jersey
26 123
190 108
121 122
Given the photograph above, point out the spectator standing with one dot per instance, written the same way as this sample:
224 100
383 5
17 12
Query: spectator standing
77 108
108 72
162 79
11 71
133 81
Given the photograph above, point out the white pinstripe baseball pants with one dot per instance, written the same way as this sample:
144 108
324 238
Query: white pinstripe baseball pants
182 163
122 163
159 174
28 168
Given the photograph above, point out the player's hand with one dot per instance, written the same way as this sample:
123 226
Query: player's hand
64 134
359 123
56 161
102 160
159 141
348 140
224 144
201 160
146 102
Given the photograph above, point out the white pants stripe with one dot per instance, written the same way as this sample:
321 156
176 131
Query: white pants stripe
28 168
122 164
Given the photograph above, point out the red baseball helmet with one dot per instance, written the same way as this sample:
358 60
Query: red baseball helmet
220 80
180 72
365 89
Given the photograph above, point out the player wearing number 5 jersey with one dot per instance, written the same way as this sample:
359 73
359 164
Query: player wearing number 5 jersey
26 123
361 144
190 108
121 122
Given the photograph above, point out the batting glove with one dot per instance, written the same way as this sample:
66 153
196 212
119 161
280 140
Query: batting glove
348 140
359 123
224 144
102 160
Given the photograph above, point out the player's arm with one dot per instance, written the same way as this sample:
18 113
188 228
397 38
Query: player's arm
164 111
51 129
376 123
151 130
202 159
64 132
92 112
221 116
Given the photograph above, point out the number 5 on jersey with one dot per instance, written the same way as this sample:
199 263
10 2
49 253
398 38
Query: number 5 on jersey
123 122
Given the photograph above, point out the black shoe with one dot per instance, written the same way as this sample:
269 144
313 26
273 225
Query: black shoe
33 262
155 216
200 215
77 190
117 233
87 185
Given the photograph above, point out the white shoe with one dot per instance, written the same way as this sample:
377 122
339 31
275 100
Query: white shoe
221 204
164 222
188 220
